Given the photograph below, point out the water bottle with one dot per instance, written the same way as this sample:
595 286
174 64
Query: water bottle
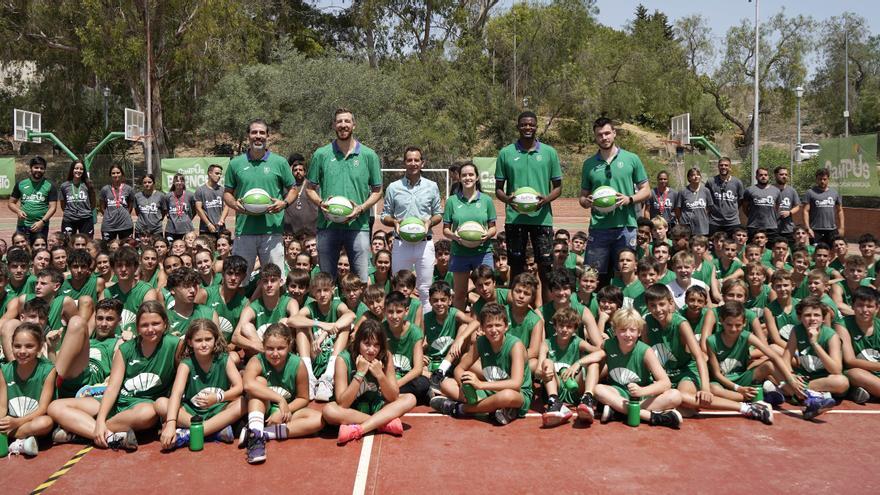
470 393
196 434
633 411
759 395
4 445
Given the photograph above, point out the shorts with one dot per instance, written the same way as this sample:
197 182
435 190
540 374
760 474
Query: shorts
109 235
744 379
126 403
688 374
625 393
369 407
527 399
206 413
171 236
466 264
78 226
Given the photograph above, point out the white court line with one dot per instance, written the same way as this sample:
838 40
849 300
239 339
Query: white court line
702 413
363 469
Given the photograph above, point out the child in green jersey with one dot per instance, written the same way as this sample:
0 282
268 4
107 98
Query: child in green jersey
204 265
128 289
670 336
270 307
559 284
406 343
839 250
497 369
297 284
525 323
610 300
60 310
854 271
733 290
779 256
705 267
374 300
634 372
228 300
149 270
207 385
485 290
696 299
277 384
323 326
26 389
643 237
729 358
727 266
501 267
404 281
819 285
560 370
184 284
661 253
626 278
759 295
382 275
860 335
780 315
367 395
822 261
81 281
447 333
816 349
442 255
588 282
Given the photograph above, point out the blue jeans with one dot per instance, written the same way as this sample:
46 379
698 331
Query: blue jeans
604 246
357 245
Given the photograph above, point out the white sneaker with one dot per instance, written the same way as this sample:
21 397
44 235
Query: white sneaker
24 446
324 389
62 436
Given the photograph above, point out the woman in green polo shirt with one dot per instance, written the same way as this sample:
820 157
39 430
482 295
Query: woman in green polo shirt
468 205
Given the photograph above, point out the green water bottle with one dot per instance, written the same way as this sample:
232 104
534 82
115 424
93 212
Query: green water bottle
570 384
470 393
759 395
633 411
196 434
4 445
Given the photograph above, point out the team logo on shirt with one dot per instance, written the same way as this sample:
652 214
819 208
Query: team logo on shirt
663 353
402 363
357 162
811 363
872 355
441 344
538 158
824 203
494 374
624 376
729 365
140 383
767 201
283 392
22 406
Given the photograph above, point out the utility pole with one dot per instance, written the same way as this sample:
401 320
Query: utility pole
846 80
148 138
757 93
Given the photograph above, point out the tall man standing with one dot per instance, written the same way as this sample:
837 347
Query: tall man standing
413 196
761 204
34 201
823 210
302 215
257 167
727 191
347 168
610 233
528 163
210 206
789 203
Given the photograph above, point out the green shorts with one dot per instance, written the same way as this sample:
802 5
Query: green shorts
209 412
569 391
370 407
687 374
126 403
527 400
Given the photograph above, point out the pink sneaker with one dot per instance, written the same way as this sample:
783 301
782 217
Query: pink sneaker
394 427
347 433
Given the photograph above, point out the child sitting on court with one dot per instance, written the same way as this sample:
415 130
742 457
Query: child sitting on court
352 294
297 284
662 254
696 300
588 282
759 294
643 237
447 333
406 344
501 268
492 377
854 272
860 336
704 269
442 253
648 270
733 290
819 286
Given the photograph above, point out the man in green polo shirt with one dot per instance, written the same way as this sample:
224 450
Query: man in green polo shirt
528 163
259 168
34 201
346 168
612 232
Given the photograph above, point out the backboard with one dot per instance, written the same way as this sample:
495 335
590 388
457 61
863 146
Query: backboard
24 121
134 125
680 130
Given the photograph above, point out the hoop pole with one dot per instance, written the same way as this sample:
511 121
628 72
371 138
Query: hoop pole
87 161
51 137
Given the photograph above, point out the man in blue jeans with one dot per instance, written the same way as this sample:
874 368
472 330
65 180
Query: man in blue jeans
612 166
347 168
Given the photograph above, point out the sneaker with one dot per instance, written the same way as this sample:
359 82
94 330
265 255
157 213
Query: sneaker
436 379
586 410
816 405
242 437
323 389
555 418
772 394
505 416
24 446
123 441
670 418
256 449
181 438
859 395
59 435
348 433
760 412
445 406
393 427
609 415
226 435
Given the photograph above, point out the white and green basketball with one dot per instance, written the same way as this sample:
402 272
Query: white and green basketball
525 200
338 208
256 201
604 199
471 234
412 229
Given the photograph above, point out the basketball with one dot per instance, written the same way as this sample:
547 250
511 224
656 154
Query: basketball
604 199
256 201
338 208
525 200
412 229
471 234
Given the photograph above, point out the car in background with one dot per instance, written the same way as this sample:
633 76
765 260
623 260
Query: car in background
808 150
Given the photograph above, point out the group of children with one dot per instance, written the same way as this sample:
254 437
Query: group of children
102 340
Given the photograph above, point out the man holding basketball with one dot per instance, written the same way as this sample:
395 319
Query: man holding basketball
528 163
612 232
345 168
259 168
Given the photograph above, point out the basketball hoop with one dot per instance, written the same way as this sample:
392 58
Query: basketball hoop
134 125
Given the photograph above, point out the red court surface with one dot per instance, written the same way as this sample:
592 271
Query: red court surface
438 454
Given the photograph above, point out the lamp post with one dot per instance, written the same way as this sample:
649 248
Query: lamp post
799 91
106 94
755 137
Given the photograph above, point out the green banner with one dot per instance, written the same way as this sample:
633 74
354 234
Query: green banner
853 164
486 167
7 176
195 170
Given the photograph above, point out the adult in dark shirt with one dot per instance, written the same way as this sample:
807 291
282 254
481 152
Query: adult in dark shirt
77 201
761 204
663 200
823 210
34 200
302 215
727 191
789 203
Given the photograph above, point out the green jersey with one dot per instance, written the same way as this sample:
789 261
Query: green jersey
402 347
563 357
228 313
722 272
272 174
208 381
369 397
440 335
265 316
667 278
282 382
549 309
350 176
414 310
27 287
809 364
5 297
56 311
319 363
131 301
734 359
592 303
866 347
668 345
630 290
147 377
89 288
760 301
500 298
448 278
34 199
459 210
703 273
624 173
696 323
536 168
785 321
750 316
497 366
23 392
624 369
98 370
522 329
178 324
